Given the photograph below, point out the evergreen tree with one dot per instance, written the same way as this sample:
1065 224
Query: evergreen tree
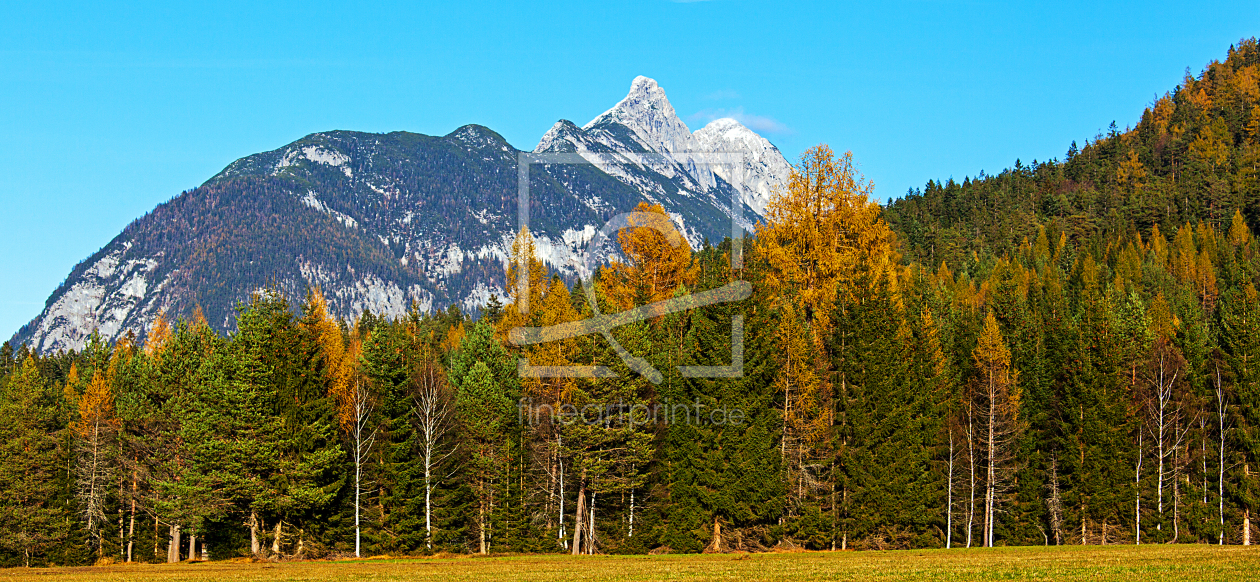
29 523
483 409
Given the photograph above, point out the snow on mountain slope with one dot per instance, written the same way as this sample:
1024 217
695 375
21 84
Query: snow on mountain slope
764 170
655 127
645 121
388 222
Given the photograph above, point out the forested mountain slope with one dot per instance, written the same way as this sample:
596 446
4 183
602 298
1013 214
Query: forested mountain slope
1193 156
1073 378
384 221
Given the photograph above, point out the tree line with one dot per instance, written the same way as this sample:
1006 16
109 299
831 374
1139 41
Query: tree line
1064 353
1049 396
1193 155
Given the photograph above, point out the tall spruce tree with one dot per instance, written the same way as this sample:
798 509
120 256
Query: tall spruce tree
29 523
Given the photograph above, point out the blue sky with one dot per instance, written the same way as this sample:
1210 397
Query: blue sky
108 109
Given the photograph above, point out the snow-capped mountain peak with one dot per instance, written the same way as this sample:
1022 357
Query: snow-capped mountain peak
764 170
564 136
392 221
647 111
645 121
731 131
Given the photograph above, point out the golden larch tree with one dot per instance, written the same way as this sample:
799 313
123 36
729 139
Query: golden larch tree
818 231
94 431
522 299
821 235
999 397
656 260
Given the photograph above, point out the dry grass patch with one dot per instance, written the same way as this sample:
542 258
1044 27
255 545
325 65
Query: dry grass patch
1151 562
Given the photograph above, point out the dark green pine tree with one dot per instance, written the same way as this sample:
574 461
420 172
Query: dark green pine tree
6 359
1239 316
1090 482
932 394
234 448
509 520
889 488
281 359
719 461
484 410
157 441
29 523
388 354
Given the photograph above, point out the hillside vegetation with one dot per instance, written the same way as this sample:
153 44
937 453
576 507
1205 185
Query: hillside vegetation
1194 156
1062 354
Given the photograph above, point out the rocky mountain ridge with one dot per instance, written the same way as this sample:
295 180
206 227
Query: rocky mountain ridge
388 221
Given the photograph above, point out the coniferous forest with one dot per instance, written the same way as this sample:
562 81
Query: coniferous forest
1063 353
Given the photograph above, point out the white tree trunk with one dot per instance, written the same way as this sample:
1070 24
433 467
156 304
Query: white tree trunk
358 475
631 534
1203 455
254 547
1137 494
481 521
1165 415
363 441
432 407
428 502
990 474
1176 492
131 529
1159 477
172 545
590 529
1246 527
971 460
949 495
1222 410
560 533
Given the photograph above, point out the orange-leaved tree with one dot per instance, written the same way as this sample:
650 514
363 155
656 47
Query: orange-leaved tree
999 395
822 237
94 432
525 283
656 260
348 389
819 232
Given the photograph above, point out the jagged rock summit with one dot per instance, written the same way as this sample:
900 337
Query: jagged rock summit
763 169
721 156
395 221
646 111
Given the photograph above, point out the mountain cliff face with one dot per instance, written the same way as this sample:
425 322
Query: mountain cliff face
756 171
388 221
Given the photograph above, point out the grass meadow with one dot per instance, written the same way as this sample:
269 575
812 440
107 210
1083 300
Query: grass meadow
1197 563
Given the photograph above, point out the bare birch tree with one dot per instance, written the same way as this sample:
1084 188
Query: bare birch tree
1164 417
1222 434
433 417
362 438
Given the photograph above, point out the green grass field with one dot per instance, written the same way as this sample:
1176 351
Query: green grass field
1153 562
